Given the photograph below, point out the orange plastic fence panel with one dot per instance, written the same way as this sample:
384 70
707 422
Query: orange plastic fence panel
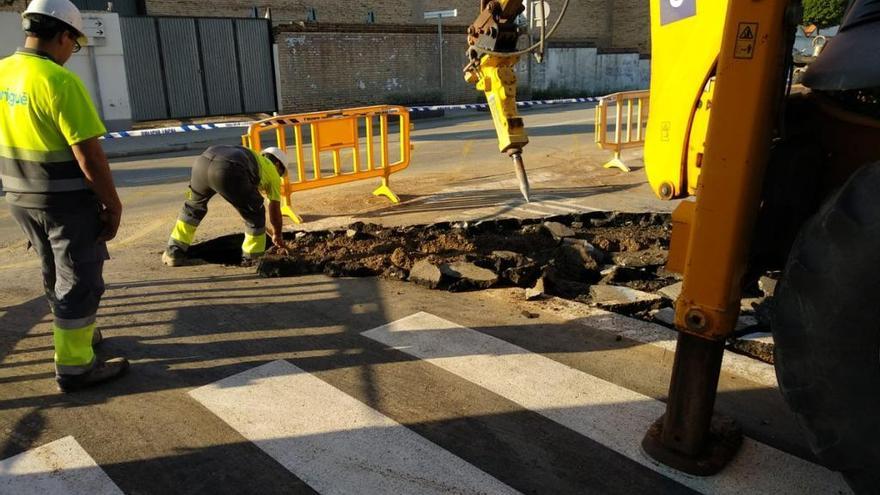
628 124
336 132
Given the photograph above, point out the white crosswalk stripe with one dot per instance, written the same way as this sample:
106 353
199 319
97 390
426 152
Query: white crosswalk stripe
611 415
333 442
58 468
338 444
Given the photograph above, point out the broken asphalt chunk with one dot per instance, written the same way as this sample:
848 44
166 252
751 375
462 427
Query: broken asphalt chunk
557 230
464 276
426 274
671 292
623 299
640 259
536 292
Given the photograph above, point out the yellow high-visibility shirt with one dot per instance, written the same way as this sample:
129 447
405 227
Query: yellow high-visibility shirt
270 181
44 110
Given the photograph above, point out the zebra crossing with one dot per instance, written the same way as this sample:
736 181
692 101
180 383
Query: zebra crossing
332 441
60 467
339 444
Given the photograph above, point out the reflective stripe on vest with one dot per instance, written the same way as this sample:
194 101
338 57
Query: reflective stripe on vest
25 171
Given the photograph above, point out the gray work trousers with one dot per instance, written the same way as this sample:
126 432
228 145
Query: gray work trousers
233 174
72 258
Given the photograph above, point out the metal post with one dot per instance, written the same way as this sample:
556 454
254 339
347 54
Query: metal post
692 393
440 15
689 437
440 47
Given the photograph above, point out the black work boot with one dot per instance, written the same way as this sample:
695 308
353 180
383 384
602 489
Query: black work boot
174 256
103 371
97 338
251 259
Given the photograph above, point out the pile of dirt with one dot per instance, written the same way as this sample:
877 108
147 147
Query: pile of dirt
611 260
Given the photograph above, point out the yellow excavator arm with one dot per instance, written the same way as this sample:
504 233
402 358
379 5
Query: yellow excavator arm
717 80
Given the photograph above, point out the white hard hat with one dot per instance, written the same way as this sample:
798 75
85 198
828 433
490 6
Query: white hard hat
62 10
276 153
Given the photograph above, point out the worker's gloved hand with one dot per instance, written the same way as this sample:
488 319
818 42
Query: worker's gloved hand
110 219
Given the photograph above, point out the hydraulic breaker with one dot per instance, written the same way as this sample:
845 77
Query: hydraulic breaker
495 31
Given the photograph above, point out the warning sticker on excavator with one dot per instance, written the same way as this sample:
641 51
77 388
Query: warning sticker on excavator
747 33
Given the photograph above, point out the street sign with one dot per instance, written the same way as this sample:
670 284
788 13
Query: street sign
441 14
536 19
93 27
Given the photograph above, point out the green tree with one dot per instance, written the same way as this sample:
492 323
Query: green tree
824 13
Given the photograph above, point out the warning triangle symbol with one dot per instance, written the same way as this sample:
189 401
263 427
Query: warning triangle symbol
747 34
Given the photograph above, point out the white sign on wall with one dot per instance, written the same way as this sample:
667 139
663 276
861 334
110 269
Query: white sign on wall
93 27
441 14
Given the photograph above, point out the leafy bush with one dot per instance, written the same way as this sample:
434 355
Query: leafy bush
824 13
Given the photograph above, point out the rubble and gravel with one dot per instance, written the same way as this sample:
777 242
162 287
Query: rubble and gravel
611 260
758 345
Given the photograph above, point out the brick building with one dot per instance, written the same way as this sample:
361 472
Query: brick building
336 53
608 24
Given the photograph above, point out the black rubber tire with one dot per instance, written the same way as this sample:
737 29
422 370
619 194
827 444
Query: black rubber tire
826 326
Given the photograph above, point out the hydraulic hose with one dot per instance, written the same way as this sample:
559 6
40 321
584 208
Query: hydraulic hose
532 48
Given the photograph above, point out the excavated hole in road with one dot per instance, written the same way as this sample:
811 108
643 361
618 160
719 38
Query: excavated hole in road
612 260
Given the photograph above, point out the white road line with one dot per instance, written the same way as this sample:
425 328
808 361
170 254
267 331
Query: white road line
611 415
333 442
545 208
58 468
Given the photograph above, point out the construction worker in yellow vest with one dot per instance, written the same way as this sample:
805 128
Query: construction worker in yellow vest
242 177
58 183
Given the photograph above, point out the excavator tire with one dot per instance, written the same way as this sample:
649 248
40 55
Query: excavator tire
826 326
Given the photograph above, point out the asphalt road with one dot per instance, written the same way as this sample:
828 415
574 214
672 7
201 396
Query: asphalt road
456 172
320 385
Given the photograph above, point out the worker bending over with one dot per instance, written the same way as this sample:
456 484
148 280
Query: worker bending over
58 184
240 176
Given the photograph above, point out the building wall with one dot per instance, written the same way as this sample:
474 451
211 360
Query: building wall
330 11
587 72
12 5
610 24
631 25
325 70
586 20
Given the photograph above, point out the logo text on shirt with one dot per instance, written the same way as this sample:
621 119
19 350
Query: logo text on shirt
13 98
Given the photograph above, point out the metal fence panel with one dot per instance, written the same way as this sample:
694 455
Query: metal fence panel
143 66
183 69
220 66
186 67
256 63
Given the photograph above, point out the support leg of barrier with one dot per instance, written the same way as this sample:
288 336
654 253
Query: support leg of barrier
386 191
289 213
287 210
617 163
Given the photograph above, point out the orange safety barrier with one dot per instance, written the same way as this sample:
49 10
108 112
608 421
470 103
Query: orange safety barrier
337 132
630 122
